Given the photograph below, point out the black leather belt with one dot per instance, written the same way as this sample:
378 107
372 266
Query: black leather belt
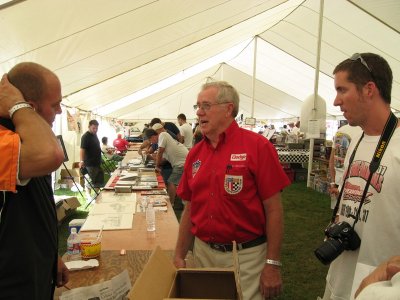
239 246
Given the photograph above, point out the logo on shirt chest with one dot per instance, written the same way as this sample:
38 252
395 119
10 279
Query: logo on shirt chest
195 167
233 184
239 157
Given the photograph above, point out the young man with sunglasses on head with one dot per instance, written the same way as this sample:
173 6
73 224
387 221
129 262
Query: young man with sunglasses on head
369 201
232 183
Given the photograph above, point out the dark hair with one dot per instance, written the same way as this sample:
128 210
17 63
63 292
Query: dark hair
93 122
150 132
104 140
30 79
379 72
182 117
154 121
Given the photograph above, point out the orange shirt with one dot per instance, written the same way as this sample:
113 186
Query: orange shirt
9 149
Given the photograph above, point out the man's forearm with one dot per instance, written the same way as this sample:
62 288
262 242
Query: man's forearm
41 152
274 227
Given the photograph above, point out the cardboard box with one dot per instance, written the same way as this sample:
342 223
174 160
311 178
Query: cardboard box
65 205
76 223
161 280
74 174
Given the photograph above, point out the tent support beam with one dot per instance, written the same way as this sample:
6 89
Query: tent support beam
254 75
316 82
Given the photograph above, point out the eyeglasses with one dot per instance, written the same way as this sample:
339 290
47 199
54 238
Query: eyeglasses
206 106
356 56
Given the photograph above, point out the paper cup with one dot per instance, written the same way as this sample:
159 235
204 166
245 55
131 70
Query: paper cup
91 249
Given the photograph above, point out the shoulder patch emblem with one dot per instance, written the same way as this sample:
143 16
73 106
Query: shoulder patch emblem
195 167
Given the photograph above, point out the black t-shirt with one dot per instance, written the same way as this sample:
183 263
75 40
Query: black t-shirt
91 144
169 126
28 241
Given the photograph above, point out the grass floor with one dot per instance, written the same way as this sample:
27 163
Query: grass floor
306 213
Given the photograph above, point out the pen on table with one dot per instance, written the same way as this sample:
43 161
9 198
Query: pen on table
67 287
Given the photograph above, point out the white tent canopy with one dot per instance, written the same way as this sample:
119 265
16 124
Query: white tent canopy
135 60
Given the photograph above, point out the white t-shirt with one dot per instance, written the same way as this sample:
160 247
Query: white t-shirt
174 152
379 224
187 133
104 149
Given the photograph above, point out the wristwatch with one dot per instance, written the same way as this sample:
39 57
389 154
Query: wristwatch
18 106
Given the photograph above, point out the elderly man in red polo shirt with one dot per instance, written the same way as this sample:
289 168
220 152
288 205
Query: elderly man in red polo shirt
231 184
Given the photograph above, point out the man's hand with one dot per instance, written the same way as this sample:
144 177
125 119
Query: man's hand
270 281
179 263
383 272
62 273
9 95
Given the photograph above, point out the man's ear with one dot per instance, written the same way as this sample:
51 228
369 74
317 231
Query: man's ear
371 88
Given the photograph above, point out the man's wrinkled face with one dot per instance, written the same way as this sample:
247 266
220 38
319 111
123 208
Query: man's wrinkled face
212 115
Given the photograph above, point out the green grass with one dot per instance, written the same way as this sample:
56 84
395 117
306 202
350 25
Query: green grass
79 213
306 214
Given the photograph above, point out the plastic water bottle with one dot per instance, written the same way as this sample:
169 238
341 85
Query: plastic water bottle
73 243
150 218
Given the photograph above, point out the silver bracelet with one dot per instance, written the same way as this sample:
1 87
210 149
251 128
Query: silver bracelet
273 262
18 106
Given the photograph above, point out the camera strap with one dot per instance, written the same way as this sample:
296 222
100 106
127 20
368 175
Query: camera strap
390 127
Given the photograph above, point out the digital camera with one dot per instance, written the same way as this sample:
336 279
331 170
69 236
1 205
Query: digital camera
339 237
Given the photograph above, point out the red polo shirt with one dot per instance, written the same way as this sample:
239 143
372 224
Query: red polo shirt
227 184
120 144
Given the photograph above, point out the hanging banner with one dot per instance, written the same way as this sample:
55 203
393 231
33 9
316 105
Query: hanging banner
313 129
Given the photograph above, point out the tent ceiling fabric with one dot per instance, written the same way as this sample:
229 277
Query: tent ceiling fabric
110 55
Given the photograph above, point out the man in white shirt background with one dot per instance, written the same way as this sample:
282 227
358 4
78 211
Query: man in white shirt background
186 131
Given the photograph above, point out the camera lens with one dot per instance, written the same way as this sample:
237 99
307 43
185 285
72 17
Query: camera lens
328 251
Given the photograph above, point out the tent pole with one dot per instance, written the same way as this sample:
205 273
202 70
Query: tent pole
317 65
254 76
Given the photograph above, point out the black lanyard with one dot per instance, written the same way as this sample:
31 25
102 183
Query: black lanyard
388 131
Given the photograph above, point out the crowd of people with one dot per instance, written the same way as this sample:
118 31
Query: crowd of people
229 179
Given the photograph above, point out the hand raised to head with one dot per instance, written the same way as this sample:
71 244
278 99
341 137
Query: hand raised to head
9 95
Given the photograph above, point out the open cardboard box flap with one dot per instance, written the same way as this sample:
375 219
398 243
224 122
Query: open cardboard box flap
154 283
160 279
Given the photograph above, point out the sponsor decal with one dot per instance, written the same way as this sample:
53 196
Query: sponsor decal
233 184
238 157
195 167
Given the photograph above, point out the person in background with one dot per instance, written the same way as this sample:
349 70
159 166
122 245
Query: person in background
165 165
91 159
185 131
341 142
120 144
232 183
294 132
197 134
108 151
169 127
29 263
382 283
171 150
363 86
